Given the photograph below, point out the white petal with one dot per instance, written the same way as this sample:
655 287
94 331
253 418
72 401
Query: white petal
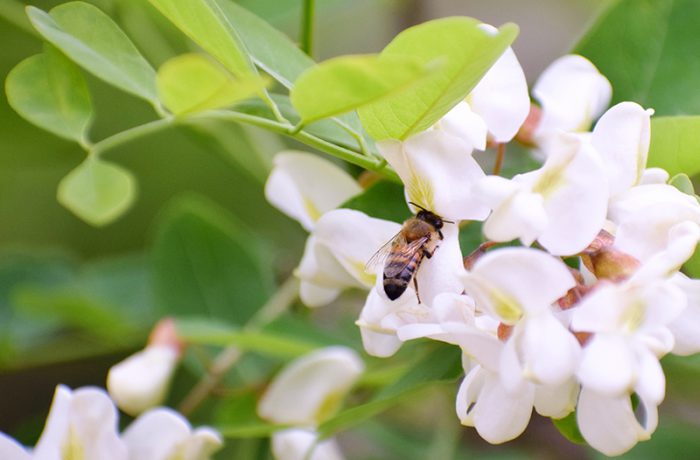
609 425
461 122
301 392
681 242
141 381
522 216
294 444
442 272
156 434
550 352
575 191
376 340
654 176
686 326
600 310
438 171
608 365
353 237
316 296
622 136
305 186
508 282
572 93
651 383
501 98
499 415
556 401
11 449
83 422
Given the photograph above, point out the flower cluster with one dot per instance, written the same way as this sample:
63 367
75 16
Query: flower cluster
535 332
82 424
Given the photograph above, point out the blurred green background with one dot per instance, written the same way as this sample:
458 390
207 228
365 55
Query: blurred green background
74 299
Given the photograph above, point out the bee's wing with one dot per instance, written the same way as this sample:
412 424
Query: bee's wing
403 256
382 253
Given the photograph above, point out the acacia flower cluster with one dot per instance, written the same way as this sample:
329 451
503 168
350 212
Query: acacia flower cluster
535 333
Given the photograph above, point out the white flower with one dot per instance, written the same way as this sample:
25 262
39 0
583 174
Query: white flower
141 381
496 107
686 326
572 94
310 388
163 434
518 286
81 424
562 205
438 170
336 254
305 186
11 449
295 444
381 317
609 424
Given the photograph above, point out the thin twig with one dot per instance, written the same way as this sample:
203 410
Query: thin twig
500 154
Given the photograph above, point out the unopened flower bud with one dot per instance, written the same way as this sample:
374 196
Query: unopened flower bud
526 134
141 381
607 262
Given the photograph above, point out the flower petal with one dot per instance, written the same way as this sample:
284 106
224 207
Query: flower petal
294 444
572 93
11 449
651 383
557 401
468 126
501 97
141 381
311 386
686 326
607 366
305 186
438 171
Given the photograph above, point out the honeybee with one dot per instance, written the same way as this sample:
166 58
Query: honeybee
402 255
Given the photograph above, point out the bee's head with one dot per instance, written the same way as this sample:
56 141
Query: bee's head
431 218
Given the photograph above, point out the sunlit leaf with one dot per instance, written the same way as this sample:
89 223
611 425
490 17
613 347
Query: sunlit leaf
94 41
344 83
97 191
568 427
652 60
683 183
48 90
675 144
467 50
204 22
192 83
207 263
383 200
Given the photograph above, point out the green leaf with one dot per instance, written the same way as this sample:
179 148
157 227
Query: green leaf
192 83
207 263
467 50
94 41
683 183
208 332
205 23
675 144
48 90
271 50
652 60
439 366
97 191
568 427
383 199
341 84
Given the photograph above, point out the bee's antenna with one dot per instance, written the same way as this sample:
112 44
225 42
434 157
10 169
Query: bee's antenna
418 206
448 221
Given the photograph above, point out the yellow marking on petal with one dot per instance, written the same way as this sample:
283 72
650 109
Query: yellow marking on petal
506 307
550 180
633 316
329 406
73 449
312 210
420 192
374 327
358 271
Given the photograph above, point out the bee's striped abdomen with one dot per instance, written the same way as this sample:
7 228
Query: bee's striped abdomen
398 273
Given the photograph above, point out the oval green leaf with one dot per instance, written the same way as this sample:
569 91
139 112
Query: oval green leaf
192 83
345 83
48 90
97 191
675 144
468 50
204 22
95 42
652 60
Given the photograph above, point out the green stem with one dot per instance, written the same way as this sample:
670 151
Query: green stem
304 137
307 27
130 135
229 356
12 11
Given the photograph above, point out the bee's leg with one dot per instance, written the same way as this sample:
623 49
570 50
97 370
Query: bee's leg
440 233
415 283
429 254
